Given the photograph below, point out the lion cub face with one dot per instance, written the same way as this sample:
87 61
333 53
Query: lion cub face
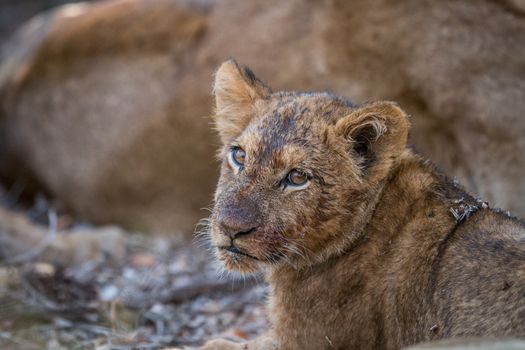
297 172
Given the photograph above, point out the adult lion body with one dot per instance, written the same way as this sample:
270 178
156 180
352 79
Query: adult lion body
114 94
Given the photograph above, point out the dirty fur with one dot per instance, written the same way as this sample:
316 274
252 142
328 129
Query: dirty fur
379 250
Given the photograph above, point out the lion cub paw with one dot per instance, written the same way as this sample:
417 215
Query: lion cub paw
217 344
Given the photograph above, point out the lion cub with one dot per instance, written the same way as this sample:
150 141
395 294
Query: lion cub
364 244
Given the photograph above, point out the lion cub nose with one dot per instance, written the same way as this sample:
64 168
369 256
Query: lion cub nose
235 229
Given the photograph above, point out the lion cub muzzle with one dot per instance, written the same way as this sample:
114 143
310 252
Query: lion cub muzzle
236 230
235 222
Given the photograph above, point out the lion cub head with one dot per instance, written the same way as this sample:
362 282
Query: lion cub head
300 171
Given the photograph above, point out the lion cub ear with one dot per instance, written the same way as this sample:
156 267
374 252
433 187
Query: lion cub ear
377 133
236 90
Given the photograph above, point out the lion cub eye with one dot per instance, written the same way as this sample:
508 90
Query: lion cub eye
237 157
296 179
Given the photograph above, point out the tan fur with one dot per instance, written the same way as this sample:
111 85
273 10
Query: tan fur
92 110
23 241
379 250
455 65
472 344
235 90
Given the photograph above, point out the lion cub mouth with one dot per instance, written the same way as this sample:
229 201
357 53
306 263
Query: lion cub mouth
236 251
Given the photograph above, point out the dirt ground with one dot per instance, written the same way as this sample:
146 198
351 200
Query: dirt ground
163 292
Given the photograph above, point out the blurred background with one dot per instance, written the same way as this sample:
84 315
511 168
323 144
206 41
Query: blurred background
107 149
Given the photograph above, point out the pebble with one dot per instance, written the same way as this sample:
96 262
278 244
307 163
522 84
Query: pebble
109 292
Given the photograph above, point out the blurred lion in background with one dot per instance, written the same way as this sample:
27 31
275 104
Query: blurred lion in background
106 105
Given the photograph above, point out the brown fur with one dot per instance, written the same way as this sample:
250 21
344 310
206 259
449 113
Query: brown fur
456 66
379 250
91 107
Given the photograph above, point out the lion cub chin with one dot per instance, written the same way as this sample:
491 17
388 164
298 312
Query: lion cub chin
363 243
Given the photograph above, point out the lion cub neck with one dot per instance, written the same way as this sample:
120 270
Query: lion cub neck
412 193
358 283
